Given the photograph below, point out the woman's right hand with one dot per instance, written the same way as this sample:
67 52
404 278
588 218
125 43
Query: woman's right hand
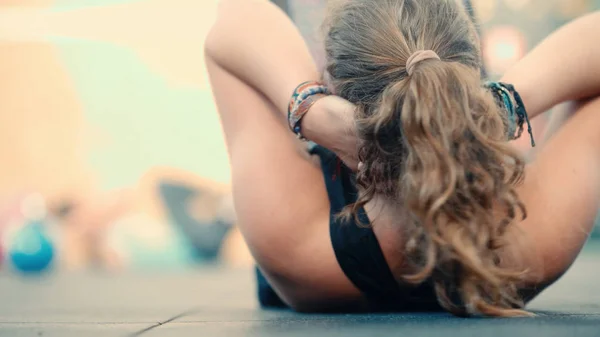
330 123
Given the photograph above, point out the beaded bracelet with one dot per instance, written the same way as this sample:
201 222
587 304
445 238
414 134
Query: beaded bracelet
506 95
303 97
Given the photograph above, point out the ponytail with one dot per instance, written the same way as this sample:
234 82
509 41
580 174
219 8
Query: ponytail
434 142
457 183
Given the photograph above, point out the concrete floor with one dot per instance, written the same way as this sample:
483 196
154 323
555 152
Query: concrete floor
221 302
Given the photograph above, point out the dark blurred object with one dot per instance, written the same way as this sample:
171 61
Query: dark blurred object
206 237
596 230
284 5
62 209
267 297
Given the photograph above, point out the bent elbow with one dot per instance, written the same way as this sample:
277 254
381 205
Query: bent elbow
210 43
225 26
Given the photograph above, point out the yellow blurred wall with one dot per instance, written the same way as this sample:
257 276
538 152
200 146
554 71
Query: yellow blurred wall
53 116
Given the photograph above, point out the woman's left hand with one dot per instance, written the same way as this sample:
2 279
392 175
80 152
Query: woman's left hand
330 123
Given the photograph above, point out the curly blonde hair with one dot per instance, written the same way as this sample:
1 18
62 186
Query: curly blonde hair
435 142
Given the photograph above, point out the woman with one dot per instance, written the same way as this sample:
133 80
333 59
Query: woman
442 211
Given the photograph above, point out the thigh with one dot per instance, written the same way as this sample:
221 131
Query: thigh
279 194
562 194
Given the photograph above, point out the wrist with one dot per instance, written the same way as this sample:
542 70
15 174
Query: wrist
329 122
527 90
313 123
303 98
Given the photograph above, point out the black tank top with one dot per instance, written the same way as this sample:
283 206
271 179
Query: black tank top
357 250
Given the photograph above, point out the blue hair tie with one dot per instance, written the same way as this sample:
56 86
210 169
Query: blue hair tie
509 98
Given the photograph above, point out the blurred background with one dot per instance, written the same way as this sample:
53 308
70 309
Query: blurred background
113 156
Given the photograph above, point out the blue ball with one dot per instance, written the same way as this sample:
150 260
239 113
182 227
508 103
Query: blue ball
31 249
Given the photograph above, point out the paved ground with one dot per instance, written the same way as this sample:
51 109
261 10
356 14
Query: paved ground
215 302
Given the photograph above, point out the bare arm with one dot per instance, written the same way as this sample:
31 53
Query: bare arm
255 57
561 190
564 67
255 41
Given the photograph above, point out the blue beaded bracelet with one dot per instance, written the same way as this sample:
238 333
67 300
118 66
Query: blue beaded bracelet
509 98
